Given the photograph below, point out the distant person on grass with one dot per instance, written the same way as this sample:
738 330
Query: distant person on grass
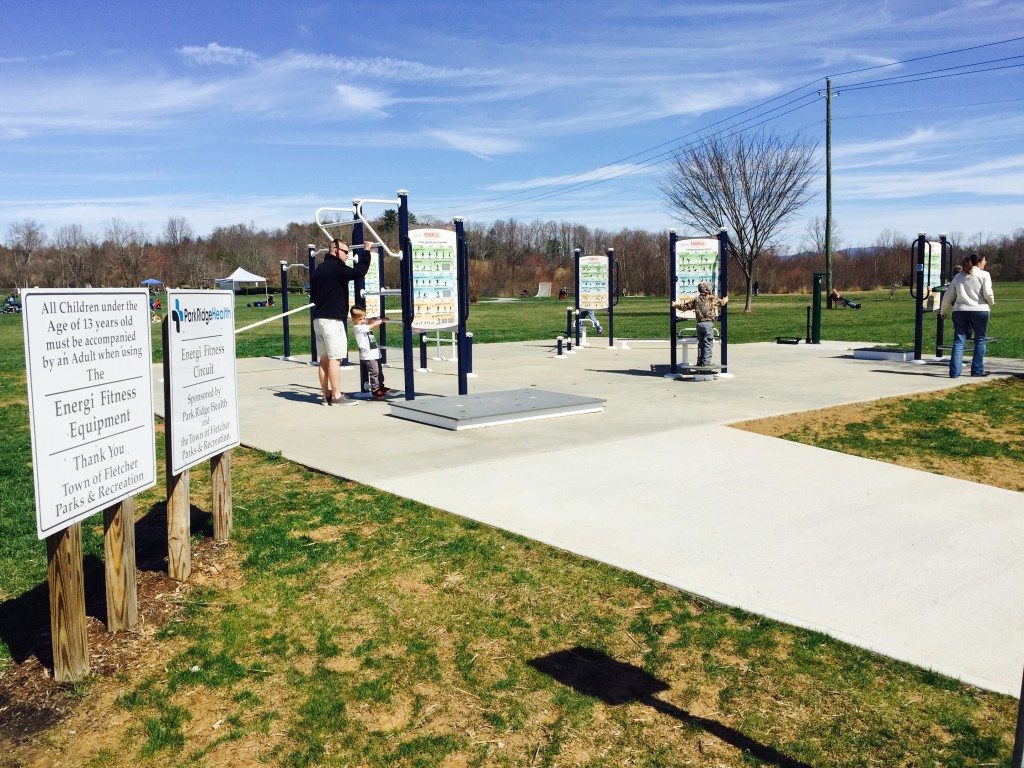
970 296
837 299
329 292
369 352
706 307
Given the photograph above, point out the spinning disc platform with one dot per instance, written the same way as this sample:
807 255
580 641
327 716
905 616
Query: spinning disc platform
689 372
487 409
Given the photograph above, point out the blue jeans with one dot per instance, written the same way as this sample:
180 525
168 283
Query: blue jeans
705 342
977 323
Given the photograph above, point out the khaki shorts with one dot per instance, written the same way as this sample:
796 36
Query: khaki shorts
331 339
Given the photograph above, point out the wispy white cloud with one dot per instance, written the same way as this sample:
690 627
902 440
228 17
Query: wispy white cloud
607 172
990 178
384 69
366 100
480 144
214 53
64 54
918 138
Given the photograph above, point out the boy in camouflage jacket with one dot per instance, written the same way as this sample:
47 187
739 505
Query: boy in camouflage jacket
706 307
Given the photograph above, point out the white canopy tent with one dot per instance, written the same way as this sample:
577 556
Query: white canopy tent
237 278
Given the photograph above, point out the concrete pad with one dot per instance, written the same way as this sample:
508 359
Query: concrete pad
488 409
916 566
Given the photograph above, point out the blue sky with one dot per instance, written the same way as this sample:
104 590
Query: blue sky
265 111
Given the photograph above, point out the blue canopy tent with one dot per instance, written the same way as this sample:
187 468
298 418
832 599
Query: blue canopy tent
150 282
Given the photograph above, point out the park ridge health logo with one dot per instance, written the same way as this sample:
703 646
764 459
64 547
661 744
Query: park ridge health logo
204 315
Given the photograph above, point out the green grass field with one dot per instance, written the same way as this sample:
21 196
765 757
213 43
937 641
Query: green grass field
881 320
353 627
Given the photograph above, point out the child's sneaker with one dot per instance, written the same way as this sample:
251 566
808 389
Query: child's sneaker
377 394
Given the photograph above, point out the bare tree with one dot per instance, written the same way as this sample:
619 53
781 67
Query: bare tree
814 242
184 257
76 250
125 247
751 184
25 238
890 260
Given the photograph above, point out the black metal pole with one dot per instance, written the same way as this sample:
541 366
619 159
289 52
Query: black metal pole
311 257
576 300
284 310
919 299
405 245
723 289
816 308
381 298
462 276
611 296
672 297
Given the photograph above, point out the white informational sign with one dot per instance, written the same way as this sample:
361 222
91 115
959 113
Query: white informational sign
202 412
371 284
89 360
435 282
932 264
594 275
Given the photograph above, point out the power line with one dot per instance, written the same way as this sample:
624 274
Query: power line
615 173
929 56
561 182
559 188
943 108
884 84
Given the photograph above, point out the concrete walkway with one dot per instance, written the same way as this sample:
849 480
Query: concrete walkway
912 565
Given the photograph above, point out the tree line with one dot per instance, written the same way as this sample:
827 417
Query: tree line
506 256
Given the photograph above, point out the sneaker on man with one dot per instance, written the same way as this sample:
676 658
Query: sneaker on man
377 394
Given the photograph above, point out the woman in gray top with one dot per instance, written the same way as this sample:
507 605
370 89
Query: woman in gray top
970 295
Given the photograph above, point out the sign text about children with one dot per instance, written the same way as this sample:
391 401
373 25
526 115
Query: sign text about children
202 412
88 357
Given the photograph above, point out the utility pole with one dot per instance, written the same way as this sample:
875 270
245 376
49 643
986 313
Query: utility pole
828 190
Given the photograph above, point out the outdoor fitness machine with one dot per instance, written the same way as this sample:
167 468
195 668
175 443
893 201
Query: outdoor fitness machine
931 265
597 289
694 260
433 284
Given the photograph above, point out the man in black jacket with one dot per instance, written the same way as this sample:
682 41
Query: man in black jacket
329 292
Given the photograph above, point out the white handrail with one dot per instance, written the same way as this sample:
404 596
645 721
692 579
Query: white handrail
275 317
359 212
323 225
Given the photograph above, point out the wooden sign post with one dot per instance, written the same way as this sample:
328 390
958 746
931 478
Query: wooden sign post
119 565
220 480
67 604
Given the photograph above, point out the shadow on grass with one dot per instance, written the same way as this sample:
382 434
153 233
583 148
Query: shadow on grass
25 620
592 673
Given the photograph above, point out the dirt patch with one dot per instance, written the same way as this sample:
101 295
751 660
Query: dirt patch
32 702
